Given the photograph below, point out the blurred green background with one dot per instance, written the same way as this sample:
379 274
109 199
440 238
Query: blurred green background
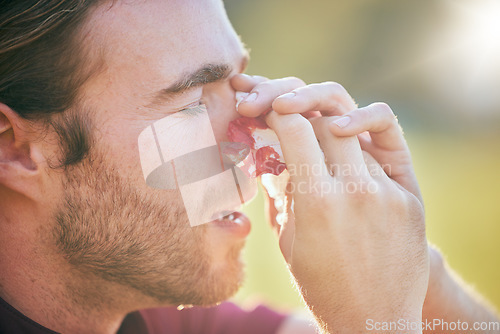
437 64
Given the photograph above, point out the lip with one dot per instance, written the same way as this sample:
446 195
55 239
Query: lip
238 226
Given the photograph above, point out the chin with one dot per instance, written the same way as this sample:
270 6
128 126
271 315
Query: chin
228 276
220 280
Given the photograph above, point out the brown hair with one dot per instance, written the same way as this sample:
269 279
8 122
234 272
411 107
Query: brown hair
43 65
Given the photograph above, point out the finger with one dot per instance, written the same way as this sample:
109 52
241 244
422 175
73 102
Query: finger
261 97
379 133
301 151
343 154
311 114
374 169
245 83
379 120
365 141
330 98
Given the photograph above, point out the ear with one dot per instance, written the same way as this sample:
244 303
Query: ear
18 169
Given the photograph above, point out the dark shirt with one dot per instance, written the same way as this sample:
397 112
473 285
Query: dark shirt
227 318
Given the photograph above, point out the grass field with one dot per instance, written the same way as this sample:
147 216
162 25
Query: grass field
461 188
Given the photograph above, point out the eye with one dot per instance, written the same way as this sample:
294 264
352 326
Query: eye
195 109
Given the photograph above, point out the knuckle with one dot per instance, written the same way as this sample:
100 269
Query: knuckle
436 259
358 198
415 211
263 86
306 90
293 124
329 94
405 206
363 113
321 129
260 78
383 109
336 94
396 201
370 193
279 86
360 190
294 81
334 87
321 123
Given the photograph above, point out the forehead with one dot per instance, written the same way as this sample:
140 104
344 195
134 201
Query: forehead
163 38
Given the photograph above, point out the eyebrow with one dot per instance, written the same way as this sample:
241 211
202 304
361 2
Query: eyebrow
206 74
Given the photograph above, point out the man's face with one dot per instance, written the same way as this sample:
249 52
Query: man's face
110 223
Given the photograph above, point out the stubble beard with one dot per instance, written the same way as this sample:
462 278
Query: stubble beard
141 241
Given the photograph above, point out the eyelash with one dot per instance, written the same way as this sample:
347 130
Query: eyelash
192 110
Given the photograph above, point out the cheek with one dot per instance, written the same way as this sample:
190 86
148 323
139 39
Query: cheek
118 146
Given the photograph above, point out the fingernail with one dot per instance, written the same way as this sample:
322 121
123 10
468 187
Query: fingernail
288 95
250 98
342 122
240 96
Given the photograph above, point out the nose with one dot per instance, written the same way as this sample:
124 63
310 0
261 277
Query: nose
221 104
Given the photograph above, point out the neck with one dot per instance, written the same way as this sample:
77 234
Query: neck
55 310
39 283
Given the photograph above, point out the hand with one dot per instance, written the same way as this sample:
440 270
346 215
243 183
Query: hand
356 254
376 125
267 91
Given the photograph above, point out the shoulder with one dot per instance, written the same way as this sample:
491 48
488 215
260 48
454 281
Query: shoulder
225 318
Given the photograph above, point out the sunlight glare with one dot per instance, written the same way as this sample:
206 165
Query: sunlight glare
478 36
483 27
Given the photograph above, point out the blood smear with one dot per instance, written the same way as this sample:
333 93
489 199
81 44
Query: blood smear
264 144
268 157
